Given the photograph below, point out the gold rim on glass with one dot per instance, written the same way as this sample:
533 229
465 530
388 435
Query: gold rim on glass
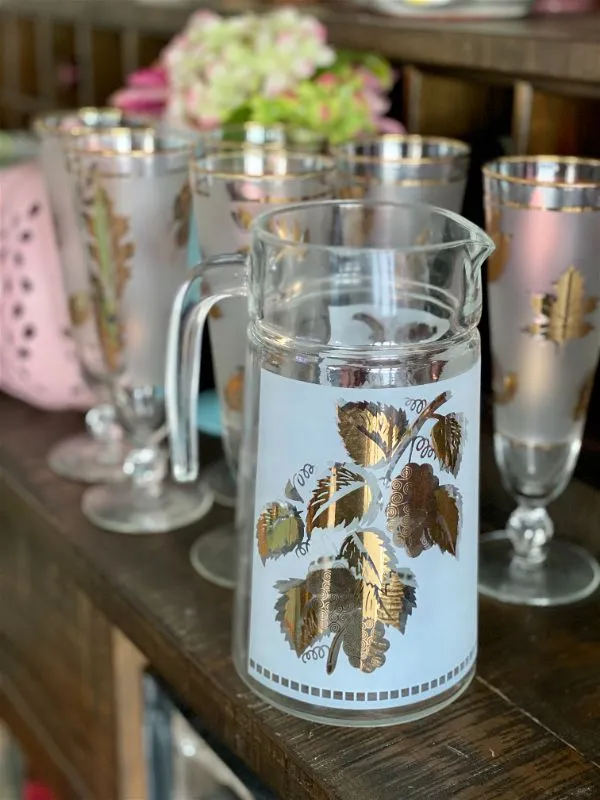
462 150
328 164
109 152
43 126
549 159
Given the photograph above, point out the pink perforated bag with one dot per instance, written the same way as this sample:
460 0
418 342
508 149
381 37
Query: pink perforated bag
38 362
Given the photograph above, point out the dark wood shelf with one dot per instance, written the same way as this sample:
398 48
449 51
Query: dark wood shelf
527 727
556 48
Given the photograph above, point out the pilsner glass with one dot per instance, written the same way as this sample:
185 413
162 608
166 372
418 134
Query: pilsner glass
95 456
133 202
404 168
250 135
356 600
230 188
543 213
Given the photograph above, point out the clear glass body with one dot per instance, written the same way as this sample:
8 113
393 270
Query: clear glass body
96 456
543 288
358 505
404 169
231 187
133 202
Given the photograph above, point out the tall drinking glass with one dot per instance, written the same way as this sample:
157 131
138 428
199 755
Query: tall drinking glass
230 188
95 456
251 135
544 288
404 168
357 594
133 203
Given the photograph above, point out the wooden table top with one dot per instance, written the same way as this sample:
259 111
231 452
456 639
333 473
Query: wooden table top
549 49
528 728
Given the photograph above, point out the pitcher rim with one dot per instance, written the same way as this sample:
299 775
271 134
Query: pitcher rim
257 228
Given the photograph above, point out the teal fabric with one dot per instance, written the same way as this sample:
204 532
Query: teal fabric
209 413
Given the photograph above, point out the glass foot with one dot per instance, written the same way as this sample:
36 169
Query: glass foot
568 574
86 460
214 556
118 508
221 483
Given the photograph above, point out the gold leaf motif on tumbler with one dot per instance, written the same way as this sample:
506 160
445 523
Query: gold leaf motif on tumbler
340 498
242 218
234 391
370 432
80 308
350 599
421 513
279 530
110 253
560 316
498 260
447 441
355 192
584 397
505 384
182 210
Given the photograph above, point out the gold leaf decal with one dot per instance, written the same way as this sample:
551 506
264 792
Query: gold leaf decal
339 499
182 211
560 317
356 192
421 513
446 439
371 432
80 308
279 530
234 391
583 400
505 385
215 312
110 253
377 328
351 598
298 623
242 218
498 260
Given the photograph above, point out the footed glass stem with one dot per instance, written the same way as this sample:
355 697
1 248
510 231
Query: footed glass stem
145 503
525 565
221 483
93 457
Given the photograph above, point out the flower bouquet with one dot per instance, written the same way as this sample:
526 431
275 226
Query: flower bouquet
274 68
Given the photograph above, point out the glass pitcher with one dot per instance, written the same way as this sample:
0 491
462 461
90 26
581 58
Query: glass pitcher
358 515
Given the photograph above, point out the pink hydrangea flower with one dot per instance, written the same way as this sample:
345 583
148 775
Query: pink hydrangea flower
147 92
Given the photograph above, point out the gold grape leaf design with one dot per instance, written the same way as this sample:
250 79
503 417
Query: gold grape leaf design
584 397
111 254
497 260
242 218
298 623
353 598
80 308
339 499
353 192
377 328
421 513
371 432
234 391
279 530
505 385
182 210
560 316
447 441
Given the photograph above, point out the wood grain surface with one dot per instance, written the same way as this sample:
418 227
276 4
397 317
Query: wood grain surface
550 49
528 728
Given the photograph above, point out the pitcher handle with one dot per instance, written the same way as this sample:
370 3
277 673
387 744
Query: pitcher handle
217 279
